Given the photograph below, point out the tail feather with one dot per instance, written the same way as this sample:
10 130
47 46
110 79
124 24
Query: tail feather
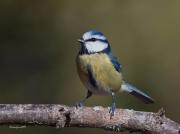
137 93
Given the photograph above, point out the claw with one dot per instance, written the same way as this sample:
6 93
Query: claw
79 104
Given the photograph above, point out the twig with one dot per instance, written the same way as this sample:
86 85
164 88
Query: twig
60 116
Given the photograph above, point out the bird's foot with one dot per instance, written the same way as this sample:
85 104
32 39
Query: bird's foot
112 110
79 104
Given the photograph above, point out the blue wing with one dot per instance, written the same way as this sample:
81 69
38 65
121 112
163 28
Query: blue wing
115 62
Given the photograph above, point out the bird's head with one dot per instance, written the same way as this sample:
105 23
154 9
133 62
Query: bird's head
94 42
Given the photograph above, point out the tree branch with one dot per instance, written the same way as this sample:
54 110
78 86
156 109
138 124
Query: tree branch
93 117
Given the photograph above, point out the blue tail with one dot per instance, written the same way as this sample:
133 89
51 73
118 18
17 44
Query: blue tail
137 93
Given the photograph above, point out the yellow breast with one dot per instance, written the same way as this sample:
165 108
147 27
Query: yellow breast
106 76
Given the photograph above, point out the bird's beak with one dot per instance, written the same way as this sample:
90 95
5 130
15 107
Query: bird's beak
80 40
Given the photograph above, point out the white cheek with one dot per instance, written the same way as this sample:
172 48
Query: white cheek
96 46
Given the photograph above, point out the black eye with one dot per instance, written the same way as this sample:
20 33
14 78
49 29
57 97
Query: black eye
93 39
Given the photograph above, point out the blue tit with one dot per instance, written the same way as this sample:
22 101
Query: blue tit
100 71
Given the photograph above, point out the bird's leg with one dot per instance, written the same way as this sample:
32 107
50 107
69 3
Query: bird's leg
113 105
81 103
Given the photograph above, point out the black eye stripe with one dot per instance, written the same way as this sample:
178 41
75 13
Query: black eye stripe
92 39
105 41
95 39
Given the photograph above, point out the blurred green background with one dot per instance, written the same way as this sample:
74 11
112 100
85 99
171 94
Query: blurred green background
38 46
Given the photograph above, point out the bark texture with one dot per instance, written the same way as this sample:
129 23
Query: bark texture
60 116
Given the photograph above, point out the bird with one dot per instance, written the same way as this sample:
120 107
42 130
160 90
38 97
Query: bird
100 72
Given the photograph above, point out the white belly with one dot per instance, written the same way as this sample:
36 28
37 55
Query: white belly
98 90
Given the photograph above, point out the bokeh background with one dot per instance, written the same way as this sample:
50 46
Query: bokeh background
38 46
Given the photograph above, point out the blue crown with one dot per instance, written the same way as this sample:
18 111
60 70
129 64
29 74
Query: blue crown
94 32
